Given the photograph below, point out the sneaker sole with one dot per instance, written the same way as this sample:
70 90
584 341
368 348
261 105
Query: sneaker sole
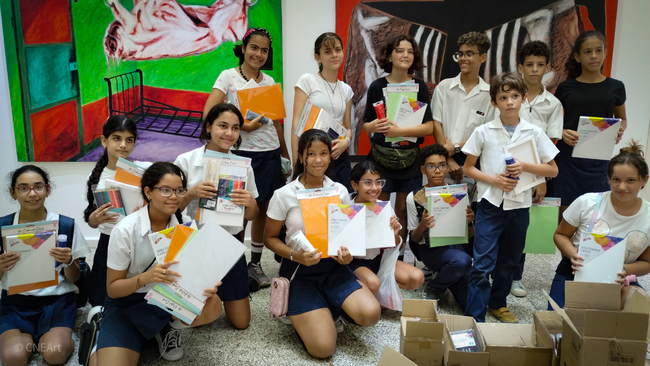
518 294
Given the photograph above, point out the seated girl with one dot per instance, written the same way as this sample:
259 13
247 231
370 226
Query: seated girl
367 183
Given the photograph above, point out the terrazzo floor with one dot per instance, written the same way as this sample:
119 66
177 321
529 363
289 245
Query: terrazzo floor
269 342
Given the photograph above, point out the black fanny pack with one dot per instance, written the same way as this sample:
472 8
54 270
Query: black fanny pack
394 159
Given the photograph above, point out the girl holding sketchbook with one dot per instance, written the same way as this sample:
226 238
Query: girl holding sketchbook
399 161
262 142
333 96
128 320
46 315
367 184
620 213
586 92
221 133
321 288
118 138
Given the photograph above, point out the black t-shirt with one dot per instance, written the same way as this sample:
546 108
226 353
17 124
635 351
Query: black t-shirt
590 100
375 93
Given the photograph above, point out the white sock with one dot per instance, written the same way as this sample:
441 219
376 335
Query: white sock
178 324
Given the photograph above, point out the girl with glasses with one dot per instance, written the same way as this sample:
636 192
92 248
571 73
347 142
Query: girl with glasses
129 321
221 133
368 184
47 315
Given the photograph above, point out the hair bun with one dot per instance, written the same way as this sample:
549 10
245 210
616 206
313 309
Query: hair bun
633 148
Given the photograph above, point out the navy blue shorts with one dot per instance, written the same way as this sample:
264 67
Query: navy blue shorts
129 322
36 315
234 286
267 166
324 285
371 264
402 185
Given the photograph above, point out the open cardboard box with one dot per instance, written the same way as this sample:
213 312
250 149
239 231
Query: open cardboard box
514 345
548 325
638 303
421 333
390 357
595 332
454 357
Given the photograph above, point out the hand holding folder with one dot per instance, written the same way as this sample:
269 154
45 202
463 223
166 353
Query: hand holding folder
313 204
604 258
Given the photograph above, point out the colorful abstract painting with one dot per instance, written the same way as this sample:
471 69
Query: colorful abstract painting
436 25
71 64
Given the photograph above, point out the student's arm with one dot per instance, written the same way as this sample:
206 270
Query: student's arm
562 238
500 180
422 130
299 100
543 170
639 268
280 131
340 145
619 112
117 285
271 241
427 222
242 197
372 124
216 97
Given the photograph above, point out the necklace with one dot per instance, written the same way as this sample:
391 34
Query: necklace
532 104
244 76
329 86
334 113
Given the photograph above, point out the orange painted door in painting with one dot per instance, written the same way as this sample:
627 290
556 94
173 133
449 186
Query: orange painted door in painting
49 79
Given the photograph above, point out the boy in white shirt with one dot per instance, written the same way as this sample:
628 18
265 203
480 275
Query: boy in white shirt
496 250
540 108
462 103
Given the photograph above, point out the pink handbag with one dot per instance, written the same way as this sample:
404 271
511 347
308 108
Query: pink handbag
280 295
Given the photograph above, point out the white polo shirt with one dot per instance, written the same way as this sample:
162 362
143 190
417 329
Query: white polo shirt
459 112
192 164
487 142
79 249
544 111
285 206
129 247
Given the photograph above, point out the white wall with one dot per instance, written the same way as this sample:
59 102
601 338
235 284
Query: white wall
303 21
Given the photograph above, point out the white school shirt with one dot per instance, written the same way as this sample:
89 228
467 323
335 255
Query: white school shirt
285 206
635 228
320 94
192 164
79 248
129 247
107 227
264 138
412 216
546 114
458 112
487 142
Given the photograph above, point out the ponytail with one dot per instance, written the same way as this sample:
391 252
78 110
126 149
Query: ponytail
93 180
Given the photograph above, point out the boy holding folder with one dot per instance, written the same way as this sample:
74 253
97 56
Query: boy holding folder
452 263
497 251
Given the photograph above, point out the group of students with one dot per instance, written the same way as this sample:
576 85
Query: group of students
469 119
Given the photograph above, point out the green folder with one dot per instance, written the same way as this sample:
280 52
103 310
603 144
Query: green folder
543 222
392 100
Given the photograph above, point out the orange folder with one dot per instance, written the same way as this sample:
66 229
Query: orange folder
266 100
314 216
181 234
125 177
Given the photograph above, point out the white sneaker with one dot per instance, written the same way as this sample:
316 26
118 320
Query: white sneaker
340 325
518 289
169 343
94 311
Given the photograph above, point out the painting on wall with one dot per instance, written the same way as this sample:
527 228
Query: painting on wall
72 64
365 25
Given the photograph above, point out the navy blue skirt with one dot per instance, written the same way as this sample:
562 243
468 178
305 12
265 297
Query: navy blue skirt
267 166
340 170
324 285
577 176
36 315
371 264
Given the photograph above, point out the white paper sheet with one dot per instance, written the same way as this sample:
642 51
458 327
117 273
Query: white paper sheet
603 265
378 231
35 264
450 211
346 226
596 138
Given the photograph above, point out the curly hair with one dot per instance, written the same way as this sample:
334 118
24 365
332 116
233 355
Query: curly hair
478 39
433 149
383 59
535 48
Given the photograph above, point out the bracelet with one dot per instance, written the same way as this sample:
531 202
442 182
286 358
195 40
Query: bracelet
137 282
291 255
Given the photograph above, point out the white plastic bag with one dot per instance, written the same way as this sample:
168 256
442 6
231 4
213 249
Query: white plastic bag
389 294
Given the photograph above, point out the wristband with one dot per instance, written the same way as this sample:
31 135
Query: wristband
291 255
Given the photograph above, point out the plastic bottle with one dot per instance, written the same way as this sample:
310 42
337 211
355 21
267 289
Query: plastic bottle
61 242
509 161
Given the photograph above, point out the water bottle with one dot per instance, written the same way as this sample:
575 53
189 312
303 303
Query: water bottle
509 161
61 242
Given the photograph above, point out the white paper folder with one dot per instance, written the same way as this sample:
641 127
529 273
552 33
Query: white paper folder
346 226
596 138
378 231
600 266
450 211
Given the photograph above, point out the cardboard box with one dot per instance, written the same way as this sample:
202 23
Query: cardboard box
421 333
595 332
548 325
638 303
453 357
514 345
390 357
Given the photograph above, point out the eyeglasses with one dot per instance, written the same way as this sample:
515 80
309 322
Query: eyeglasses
467 54
368 183
167 192
24 190
433 168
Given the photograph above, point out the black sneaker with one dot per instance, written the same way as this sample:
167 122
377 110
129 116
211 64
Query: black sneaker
253 283
169 343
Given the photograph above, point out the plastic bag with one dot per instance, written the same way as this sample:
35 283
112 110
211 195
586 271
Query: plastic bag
389 294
